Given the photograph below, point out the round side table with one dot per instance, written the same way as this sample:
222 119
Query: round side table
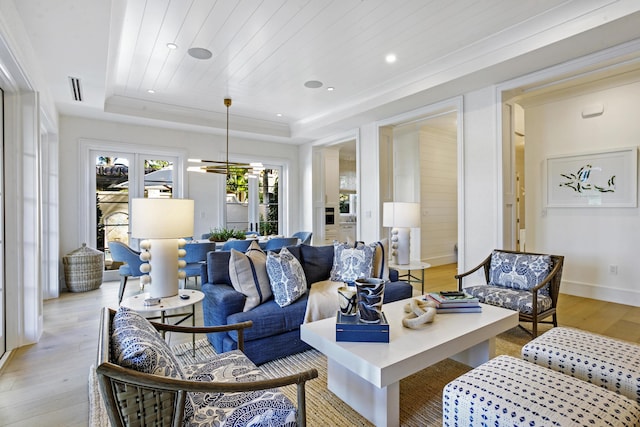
136 302
412 266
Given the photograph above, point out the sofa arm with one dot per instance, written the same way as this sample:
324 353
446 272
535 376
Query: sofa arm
393 275
220 301
223 300
204 277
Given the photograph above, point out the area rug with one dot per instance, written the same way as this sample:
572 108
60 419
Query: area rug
420 394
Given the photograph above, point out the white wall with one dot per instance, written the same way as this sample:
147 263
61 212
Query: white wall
438 195
481 178
205 189
591 239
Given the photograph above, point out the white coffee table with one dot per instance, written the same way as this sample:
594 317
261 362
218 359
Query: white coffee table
367 375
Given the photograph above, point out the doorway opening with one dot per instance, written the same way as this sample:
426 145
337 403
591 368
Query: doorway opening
420 158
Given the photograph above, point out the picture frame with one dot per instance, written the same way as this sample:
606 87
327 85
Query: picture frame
595 179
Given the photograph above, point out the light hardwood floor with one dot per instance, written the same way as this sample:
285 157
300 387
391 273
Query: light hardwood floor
46 383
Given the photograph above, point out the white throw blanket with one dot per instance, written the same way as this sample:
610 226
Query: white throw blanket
323 301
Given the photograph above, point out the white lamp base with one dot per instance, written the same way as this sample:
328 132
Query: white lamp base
400 245
164 267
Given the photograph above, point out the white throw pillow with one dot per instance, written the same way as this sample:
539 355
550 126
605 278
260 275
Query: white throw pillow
288 282
248 273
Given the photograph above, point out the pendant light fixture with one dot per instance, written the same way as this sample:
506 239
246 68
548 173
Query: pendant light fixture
223 167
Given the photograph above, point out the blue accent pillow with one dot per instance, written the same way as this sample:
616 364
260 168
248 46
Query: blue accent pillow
351 263
316 261
288 282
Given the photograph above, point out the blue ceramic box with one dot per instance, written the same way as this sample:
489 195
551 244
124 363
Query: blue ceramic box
350 328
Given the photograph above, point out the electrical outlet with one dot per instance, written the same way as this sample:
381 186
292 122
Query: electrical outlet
613 269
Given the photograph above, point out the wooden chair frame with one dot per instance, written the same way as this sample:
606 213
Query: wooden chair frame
553 280
157 400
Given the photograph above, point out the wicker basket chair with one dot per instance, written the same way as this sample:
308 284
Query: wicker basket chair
133 398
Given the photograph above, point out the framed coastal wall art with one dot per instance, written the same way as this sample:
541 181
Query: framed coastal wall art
596 179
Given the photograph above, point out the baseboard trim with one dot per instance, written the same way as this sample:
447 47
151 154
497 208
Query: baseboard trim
4 360
599 292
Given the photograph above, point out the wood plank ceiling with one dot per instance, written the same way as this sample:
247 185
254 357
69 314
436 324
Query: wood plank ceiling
265 51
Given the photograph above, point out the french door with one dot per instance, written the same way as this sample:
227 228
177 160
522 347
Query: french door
118 178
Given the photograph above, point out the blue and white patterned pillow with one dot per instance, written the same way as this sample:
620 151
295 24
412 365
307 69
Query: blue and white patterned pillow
351 263
136 344
248 274
288 282
519 271
256 408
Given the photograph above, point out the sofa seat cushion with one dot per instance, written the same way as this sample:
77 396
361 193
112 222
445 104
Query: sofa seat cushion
256 408
603 361
506 391
270 319
519 271
513 299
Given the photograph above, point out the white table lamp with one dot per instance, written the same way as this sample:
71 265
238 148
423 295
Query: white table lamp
401 216
163 222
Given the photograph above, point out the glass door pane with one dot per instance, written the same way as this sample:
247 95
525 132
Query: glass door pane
158 179
240 203
269 203
237 199
112 204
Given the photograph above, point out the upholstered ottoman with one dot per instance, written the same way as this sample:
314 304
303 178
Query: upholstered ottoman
603 361
507 391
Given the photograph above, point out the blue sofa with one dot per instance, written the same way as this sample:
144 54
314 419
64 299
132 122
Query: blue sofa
276 330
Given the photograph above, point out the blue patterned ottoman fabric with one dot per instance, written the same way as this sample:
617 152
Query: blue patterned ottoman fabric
519 271
603 361
513 299
506 391
264 408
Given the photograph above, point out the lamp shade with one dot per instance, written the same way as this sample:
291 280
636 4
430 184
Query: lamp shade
401 214
161 218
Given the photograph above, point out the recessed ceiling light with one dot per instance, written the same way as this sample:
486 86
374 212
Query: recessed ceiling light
330 88
279 114
313 84
151 91
390 58
200 53
172 46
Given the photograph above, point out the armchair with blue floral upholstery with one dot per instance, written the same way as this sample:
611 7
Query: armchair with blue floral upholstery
522 281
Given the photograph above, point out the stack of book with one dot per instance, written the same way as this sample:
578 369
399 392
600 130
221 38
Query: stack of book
454 302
